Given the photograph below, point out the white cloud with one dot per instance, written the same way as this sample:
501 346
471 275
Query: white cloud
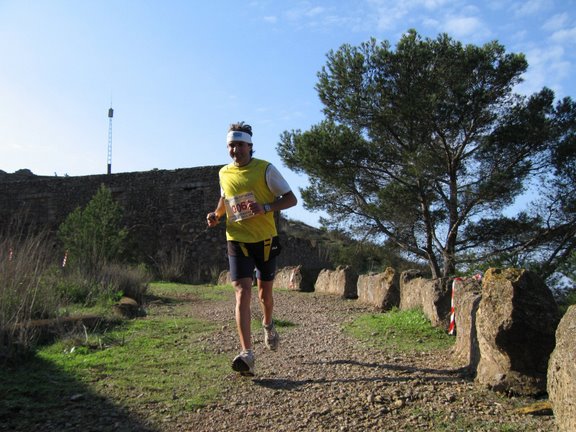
556 22
453 17
462 26
433 4
520 35
431 23
304 11
316 17
470 29
564 36
547 66
531 7
315 11
495 5
271 19
390 13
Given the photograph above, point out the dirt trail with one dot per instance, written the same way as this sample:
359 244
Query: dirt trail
322 380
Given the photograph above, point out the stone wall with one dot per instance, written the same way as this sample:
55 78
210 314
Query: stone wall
505 325
164 210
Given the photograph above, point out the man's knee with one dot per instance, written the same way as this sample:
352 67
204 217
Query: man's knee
265 290
242 287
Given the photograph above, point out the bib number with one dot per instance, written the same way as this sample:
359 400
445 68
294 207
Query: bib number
237 207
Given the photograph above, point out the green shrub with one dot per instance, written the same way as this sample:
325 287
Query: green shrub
75 287
93 236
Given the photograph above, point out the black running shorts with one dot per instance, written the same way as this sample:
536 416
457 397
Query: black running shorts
245 257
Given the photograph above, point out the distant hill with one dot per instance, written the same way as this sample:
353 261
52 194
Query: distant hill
298 229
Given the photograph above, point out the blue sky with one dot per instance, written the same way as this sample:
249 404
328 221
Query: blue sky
178 72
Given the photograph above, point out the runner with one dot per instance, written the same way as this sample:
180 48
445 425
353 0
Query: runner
251 191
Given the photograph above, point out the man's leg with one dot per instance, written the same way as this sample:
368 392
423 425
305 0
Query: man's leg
266 300
241 271
243 290
271 337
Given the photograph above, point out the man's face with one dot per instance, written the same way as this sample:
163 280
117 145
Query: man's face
239 151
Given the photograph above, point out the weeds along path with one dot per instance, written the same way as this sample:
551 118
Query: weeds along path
320 379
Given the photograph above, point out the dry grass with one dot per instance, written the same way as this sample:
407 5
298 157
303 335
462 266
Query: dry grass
34 286
26 290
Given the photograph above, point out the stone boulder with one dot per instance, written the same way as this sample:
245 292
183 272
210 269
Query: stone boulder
411 282
432 296
341 281
380 290
289 278
224 278
516 323
127 307
466 299
562 373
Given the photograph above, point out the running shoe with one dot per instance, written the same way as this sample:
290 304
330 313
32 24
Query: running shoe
244 363
271 337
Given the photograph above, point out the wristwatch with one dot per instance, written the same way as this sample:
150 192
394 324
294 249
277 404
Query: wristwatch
267 208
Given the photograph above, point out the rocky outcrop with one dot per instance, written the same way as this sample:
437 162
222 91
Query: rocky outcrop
342 281
516 323
380 290
562 373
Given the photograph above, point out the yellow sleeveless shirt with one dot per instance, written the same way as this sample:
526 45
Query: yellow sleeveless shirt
240 185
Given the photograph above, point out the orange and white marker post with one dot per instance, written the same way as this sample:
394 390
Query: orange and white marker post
452 327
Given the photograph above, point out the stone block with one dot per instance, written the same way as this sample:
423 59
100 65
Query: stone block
341 281
380 290
432 296
467 295
561 383
516 323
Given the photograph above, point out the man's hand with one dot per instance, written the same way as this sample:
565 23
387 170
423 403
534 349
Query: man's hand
212 219
256 208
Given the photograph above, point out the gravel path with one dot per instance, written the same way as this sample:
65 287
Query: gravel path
322 380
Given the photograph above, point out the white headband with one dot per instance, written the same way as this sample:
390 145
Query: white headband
238 136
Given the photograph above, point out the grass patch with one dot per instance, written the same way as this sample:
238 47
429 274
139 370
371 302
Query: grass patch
202 292
148 360
402 331
157 366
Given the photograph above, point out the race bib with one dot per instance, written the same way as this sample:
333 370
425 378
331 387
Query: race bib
237 207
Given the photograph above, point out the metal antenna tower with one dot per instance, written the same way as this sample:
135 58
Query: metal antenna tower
110 115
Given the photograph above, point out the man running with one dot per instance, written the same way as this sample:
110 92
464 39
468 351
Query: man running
251 191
